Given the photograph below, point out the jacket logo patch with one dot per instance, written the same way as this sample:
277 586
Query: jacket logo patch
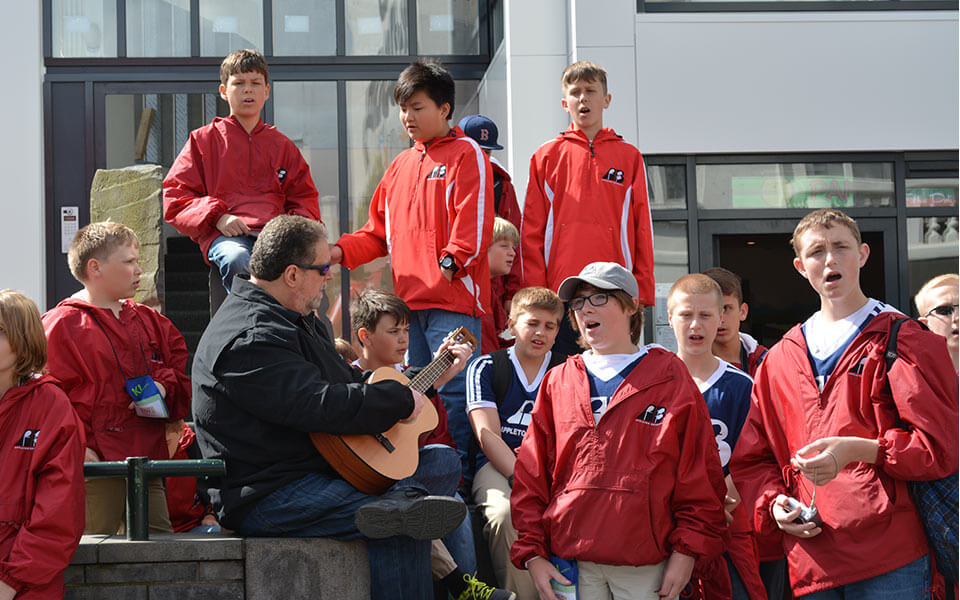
858 369
614 175
438 172
28 441
281 174
653 415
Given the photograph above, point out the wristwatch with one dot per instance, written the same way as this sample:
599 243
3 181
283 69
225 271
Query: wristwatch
449 264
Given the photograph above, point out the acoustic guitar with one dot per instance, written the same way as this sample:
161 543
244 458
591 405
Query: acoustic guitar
373 463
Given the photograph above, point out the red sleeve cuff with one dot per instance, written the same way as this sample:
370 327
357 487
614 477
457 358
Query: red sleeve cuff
883 449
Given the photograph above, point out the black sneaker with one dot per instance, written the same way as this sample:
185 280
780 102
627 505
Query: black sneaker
410 512
478 590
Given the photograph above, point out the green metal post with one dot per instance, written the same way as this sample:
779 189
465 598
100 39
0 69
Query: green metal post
137 509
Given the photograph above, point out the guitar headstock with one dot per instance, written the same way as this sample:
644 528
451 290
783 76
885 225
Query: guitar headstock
461 335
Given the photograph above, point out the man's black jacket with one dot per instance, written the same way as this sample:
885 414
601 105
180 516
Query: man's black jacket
264 377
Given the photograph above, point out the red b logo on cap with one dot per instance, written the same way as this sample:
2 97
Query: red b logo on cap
484 135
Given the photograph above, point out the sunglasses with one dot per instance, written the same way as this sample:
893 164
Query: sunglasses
598 299
323 269
944 310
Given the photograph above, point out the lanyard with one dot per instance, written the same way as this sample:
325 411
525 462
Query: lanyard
115 357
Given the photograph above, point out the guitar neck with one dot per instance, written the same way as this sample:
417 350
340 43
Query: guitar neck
431 372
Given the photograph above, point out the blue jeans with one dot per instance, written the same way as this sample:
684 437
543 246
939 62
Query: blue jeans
909 581
427 329
319 505
439 473
231 255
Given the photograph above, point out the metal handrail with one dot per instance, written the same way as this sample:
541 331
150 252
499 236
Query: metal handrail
137 470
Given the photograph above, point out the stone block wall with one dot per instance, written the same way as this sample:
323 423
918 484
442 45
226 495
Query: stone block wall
217 567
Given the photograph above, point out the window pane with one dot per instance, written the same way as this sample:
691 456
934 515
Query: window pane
84 28
228 25
795 185
304 28
306 112
158 27
667 186
376 27
931 249
467 102
932 192
448 27
669 264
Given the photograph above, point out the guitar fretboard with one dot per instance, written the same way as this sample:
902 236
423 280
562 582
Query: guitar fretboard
431 372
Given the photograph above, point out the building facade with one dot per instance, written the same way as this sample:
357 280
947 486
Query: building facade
749 114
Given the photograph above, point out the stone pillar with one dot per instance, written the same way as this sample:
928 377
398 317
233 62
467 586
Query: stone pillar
132 196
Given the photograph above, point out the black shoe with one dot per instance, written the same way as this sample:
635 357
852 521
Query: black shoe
410 512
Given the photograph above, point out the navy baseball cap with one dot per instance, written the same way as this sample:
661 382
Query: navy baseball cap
482 130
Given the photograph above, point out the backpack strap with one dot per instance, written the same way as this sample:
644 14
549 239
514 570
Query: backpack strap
890 354
502 373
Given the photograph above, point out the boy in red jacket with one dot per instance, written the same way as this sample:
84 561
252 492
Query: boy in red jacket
41 451
235 174
123 366
618 468
433 214
826 416
586 184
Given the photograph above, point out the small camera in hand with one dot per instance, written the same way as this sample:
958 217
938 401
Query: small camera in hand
808 514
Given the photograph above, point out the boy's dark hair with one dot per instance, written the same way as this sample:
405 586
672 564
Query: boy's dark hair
285 240
625 300
371 304
728 281
826 218
21 323
243 61
584 71
431 77
97 240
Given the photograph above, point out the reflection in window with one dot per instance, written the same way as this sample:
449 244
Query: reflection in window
158 27
376 27
448 27
932 249
304 28
667 186
228 25
670 262
795 185
941 191
84 28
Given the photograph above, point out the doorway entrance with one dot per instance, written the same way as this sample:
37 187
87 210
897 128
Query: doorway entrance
760 253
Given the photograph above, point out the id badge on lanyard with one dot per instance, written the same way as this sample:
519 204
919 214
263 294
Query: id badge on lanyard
147 401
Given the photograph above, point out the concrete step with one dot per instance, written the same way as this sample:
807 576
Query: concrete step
189 320
192 300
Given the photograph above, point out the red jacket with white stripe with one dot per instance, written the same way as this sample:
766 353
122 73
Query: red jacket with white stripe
41 489
629 489
871 526
586 202
433 201
223 169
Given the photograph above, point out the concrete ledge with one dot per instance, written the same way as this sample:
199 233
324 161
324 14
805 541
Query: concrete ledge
316 568
167 547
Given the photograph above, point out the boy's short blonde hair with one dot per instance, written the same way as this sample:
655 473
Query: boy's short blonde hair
244 61
21 323
583 71
826 218
939 281
345 350
505 230
694 284
531 298
97 240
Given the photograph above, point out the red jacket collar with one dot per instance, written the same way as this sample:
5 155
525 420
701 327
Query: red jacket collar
232 120
604 135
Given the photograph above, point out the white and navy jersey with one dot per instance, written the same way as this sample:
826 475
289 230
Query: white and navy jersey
517 404
826 342
606 372
727 394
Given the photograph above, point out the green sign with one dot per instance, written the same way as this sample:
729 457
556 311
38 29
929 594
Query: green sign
792 192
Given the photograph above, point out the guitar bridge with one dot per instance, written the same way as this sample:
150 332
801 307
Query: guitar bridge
384 442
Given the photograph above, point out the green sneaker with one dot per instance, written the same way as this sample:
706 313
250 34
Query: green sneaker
478 590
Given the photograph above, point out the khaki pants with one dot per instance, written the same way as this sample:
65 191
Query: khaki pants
441 562
107 506
492 493
607 582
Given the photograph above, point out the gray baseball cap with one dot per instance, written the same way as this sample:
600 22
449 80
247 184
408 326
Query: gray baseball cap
602 275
